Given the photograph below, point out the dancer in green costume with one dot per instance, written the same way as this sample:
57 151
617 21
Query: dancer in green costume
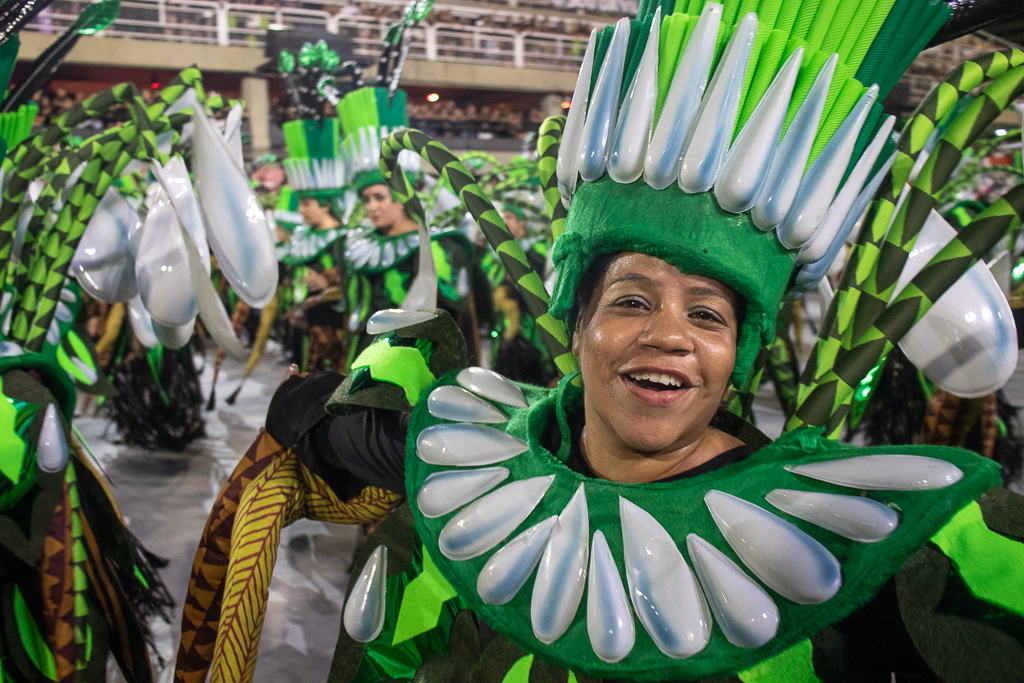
623 526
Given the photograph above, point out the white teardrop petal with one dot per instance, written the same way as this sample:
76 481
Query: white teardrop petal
746 166
63 313
665 153
633 132
459 405
487 522
175 180
816 247
746 613
465 445
51 447
894 472
104 261
174 336
712 133
609 620
856 518
603 108
663 590
364 609
785 558
562 574
491 385
568 149
141 322
791 157
818 187
161 266
445 492
508 569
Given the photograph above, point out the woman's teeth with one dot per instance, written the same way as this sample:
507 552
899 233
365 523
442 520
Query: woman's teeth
657 378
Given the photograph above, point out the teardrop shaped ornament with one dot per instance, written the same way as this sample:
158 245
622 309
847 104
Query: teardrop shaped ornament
853 517
747 614
51 446
466 445
609 620
445 492
459 405
893 472
484 524
508 569
364 609
785 558
491 385
562 574
663 590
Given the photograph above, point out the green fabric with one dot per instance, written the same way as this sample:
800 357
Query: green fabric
12 446
32 640
422 602
689 231
990 564
375 177
680 508
520 671
401 365
53 378
795 665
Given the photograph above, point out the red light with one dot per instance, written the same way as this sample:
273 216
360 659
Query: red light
155 85
566 104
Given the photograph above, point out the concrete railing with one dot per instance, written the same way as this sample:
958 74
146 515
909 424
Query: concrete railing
245 25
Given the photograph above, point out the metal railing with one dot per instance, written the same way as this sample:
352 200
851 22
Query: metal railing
236 24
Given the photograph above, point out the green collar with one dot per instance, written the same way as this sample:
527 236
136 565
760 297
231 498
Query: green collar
679 509
369 252
306 245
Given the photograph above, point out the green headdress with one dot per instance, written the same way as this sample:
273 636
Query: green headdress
314 165
772 107
368 115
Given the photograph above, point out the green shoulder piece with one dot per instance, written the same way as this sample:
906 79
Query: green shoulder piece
394 370
369 252
307 245
730 539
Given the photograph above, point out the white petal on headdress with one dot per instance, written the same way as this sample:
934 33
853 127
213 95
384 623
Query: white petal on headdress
633 133
665 152
709 140
603 108
818 188
746 167
791 157
568 159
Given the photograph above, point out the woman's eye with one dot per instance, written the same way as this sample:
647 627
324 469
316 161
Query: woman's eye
708 315
630 302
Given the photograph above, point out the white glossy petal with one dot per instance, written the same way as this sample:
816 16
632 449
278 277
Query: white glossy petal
854 517
444 492
161 266
141 322
746 613
791 157
895 472
712 133
466 445
818 187
785 558
967 342
365 607
63 313
508 569
487 522
633 131
174 336
562 573
52 446
664 592
609 620
391 319
89 373
491 385
175 180
665 153
603 108
238 232
746 166
568 149
459 405
104 262
10 349
816 247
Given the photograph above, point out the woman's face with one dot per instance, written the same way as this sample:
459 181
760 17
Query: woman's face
656 349
312 212
382 211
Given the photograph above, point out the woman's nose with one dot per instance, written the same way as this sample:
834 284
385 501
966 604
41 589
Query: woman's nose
668 331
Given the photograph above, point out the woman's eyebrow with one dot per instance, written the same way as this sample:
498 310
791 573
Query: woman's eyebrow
709 291
632 277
